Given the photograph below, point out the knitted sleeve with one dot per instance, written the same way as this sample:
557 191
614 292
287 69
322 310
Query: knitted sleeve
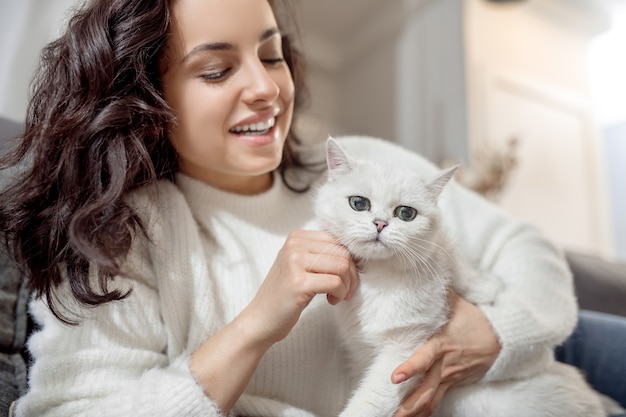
536 309
114 362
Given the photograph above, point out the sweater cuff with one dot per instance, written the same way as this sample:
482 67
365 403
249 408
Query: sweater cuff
177 392
187 395
524 350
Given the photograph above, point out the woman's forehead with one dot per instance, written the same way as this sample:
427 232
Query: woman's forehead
195 22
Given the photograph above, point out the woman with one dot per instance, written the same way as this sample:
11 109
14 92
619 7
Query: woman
163 217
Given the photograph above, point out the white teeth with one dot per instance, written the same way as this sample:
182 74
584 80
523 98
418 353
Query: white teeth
261 127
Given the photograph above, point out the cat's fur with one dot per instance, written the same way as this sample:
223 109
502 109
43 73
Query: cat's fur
407 268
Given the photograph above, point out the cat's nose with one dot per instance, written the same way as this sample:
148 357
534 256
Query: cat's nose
380 225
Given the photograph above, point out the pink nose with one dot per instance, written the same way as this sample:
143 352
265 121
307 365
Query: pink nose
380 225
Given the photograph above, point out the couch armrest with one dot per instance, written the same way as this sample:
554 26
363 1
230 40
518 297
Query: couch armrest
600 285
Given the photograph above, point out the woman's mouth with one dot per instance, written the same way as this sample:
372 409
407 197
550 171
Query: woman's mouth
255 129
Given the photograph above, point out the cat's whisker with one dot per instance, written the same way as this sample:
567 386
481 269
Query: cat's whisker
435 245
409 258
424 244
410 263
429 264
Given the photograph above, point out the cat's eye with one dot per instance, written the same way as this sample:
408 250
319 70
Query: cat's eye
359 203
405 213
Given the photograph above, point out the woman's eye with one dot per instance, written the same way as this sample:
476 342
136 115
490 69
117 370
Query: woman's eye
405 213
359 203
215 75
273 61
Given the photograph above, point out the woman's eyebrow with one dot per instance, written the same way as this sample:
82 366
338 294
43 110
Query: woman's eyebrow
212 46
226 46
268 34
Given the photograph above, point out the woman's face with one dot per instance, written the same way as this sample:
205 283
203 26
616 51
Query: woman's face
232 92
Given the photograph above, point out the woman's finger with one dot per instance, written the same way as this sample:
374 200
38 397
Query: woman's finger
353 277
325 256
423 395
435 400
354 280
421 361
316 242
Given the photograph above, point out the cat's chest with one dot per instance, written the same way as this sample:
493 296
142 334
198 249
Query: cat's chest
378 308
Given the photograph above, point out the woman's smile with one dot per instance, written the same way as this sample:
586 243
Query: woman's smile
258 129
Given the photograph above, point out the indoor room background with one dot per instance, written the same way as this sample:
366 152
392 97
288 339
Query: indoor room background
529 95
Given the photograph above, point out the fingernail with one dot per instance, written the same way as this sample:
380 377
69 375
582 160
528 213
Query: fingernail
398 378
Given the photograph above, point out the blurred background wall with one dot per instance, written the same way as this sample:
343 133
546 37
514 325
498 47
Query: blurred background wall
520 91
529 95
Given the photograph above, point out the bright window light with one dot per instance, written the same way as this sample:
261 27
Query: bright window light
607 66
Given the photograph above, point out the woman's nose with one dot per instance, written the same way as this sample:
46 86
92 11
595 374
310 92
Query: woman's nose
260 86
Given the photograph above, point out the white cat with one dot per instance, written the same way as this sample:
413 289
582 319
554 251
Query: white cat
389 220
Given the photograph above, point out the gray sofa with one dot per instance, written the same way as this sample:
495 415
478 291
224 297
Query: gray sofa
600 285
14 328
8 129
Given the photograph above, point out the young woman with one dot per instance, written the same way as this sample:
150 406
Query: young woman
163 217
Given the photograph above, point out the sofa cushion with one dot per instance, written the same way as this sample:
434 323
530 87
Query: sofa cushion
14 327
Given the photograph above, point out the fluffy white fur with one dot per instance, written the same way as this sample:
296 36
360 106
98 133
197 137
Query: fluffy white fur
407 268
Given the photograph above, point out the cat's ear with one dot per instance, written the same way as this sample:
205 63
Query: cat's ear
337 159
437 184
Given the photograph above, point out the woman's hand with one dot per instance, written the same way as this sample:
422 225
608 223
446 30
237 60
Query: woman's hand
460 354
309 263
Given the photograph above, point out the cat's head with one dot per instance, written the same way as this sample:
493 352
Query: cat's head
379 211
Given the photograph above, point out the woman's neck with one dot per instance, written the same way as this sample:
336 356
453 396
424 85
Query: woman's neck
244 185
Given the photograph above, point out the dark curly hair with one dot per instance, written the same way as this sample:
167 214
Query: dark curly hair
96 128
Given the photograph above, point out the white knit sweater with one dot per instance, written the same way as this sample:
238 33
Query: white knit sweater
210 250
